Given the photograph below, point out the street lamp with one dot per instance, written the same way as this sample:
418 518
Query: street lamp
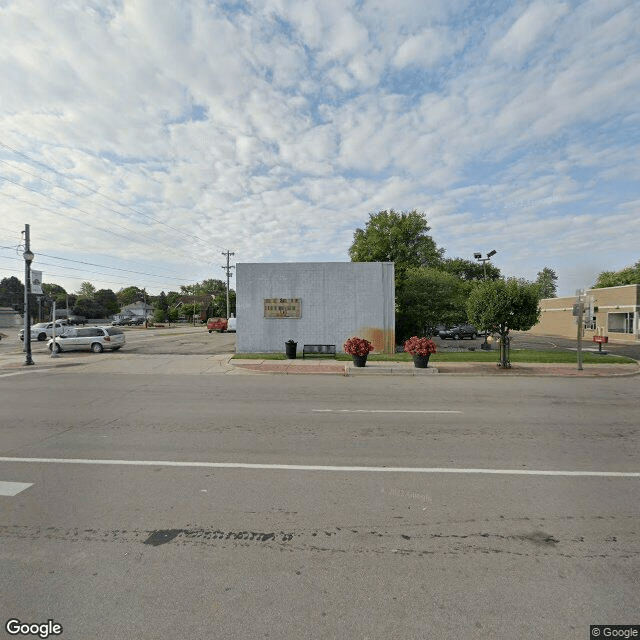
479 258
28 259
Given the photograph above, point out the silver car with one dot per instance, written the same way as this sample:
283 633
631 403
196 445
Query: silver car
95 339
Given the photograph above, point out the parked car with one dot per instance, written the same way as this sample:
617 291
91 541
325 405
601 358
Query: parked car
459 332
137 321
231 325
94 339
217 324
43 330
122 322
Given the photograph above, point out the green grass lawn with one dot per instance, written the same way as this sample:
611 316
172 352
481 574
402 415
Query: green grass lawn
516 355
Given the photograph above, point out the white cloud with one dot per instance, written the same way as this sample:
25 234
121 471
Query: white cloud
427 47
300 117
537 21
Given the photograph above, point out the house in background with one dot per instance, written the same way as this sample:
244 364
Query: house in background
137 309
610 311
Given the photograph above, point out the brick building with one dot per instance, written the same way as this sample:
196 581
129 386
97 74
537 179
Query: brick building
611 311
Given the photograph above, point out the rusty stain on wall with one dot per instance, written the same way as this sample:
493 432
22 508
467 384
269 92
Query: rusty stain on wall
382 341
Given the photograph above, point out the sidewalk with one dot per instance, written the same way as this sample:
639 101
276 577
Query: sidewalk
223 364
326 366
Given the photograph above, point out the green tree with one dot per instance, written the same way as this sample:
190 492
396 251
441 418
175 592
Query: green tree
129 295
55 292
88 308
400 238
546 282
87 290
12 293
469 269
628 275
108 300
500 306
162 302
428 298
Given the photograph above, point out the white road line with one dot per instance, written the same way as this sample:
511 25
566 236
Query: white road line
306 467
13 488
381 411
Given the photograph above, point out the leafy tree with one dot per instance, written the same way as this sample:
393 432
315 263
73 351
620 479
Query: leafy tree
55 292
161 302
88 308
500 306
108 300
87 290
173 297
129 295
628 275
12 293
190 310
469 269
396 237
428 298
546 282
211 287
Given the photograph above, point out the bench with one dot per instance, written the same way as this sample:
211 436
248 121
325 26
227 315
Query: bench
317 349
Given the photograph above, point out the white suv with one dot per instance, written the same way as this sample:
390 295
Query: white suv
44 330
96 339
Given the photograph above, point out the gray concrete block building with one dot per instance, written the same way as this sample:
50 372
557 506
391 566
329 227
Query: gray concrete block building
314 303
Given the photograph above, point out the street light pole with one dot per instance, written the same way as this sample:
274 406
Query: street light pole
28 259
479 258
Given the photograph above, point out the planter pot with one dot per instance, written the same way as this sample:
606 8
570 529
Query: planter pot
421 362
291 349
359 361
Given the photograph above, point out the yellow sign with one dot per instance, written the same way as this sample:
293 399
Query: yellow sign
282 308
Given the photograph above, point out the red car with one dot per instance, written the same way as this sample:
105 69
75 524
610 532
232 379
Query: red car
217 324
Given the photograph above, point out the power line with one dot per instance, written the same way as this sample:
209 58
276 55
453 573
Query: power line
103 266
96 191
68 217
70 206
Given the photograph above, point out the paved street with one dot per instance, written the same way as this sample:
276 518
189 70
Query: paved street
263 506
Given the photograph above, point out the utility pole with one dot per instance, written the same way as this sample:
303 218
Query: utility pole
28 259
580 328
228 268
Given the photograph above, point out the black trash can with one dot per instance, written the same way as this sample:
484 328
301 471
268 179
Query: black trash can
291 348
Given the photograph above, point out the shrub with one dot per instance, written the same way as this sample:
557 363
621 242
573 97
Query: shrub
357 347
420 346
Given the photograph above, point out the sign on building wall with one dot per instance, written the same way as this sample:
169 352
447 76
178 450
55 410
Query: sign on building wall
282 308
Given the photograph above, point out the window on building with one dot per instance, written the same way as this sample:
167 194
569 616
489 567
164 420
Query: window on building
590 322
621 322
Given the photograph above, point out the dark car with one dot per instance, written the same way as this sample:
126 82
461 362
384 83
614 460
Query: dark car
459 332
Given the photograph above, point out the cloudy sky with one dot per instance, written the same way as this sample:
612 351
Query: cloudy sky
140 139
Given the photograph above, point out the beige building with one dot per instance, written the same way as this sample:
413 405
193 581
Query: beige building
612 312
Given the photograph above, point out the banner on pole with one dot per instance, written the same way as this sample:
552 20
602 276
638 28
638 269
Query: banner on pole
36 282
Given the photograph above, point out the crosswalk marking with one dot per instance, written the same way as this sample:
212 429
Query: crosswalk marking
13 488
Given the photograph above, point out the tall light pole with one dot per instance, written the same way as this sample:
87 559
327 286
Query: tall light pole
228 268
479 258
28 259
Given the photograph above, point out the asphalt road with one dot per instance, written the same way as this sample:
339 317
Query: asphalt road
157 547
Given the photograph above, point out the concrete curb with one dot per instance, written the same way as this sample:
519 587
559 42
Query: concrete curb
224 364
